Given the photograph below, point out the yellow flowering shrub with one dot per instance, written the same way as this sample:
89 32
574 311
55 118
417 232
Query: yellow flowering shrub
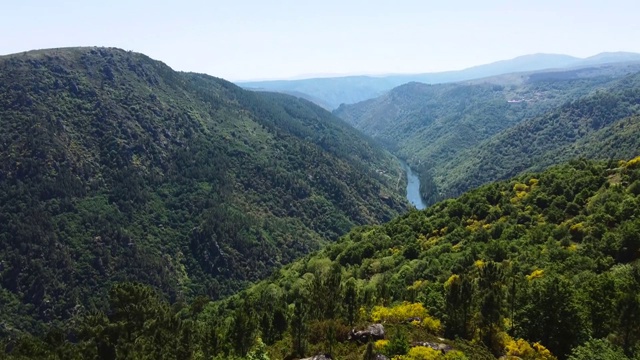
453 278
420 353
473 225
522 349
427 353
431 324
518 187
404 311
536 274
521 190
633 162
380 344
543 352
416 285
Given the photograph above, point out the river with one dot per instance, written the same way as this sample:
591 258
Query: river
413 188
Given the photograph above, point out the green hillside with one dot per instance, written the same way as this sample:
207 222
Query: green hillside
440 129
598 126
542 266
116 168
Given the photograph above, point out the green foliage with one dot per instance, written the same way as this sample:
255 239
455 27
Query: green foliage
533 280
398 344
117 168
597 349
259 352
560 135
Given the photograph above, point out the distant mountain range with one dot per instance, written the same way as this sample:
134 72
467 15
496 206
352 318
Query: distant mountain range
330 92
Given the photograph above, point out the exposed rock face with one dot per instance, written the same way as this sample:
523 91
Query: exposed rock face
380 357
444 348
373 332
319 357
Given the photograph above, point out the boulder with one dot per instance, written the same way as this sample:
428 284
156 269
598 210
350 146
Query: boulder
319 357
372 332
444 348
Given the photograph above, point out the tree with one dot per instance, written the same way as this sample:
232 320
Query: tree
243 328
259 351
459 299
350 301
299 327
551 317
398 344
630 312
597 349
490 284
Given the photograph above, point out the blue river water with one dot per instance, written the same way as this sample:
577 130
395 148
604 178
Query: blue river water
413 188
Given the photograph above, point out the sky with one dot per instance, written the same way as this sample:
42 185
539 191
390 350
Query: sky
284 39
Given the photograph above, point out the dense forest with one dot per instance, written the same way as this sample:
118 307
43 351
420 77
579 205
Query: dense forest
599 126
542 266
116 168
458 136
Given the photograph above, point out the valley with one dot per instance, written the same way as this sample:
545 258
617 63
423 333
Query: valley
148 213
457 136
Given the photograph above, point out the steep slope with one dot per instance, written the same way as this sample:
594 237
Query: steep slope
115 167
590 127
334 91
538 267
435 127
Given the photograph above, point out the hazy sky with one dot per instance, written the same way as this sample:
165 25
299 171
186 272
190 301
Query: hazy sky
250 39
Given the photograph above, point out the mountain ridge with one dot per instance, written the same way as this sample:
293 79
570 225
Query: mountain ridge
333 91
117 167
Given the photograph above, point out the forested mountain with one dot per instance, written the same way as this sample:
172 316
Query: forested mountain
114 167
330 92
444 131
542 266
599 126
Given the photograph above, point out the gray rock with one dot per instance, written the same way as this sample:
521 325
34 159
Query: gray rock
444 348
319 357
372 332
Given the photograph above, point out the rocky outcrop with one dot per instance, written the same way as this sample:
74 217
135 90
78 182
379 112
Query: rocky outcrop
319 357
372 332
444 348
